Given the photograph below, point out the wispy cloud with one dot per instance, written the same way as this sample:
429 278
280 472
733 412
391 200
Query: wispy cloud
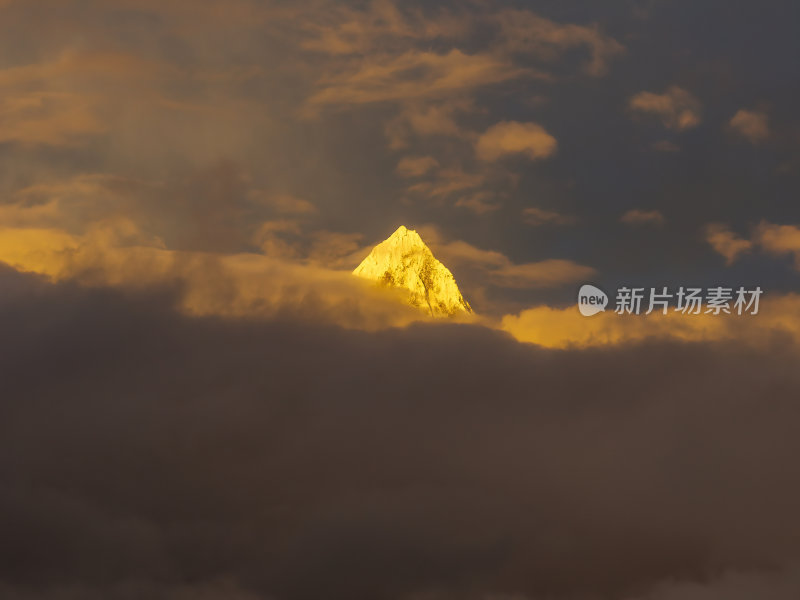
526 32
540 216
676 108
501 271
414 166
382 52
412 75
429 118
480 202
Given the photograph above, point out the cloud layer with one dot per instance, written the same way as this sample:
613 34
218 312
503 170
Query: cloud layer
148 453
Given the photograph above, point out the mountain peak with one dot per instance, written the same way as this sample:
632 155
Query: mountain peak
406 238
403 260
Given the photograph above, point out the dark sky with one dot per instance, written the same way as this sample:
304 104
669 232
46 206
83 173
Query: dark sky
200 401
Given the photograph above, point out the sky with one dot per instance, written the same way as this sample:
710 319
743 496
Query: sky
201 401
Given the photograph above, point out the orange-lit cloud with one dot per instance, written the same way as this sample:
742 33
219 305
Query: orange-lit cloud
414 166
676 108
59 102
381 53
79 67
316 284
337 250
243 284
480 202
540 216
412 75
428 119
501 271
285 204
779 239
542 274
358 31
726 243
566 327
448 181
86 230
58 119
751 125
771 238
510 137
526 32
479 189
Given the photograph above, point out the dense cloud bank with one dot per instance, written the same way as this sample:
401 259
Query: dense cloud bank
145 454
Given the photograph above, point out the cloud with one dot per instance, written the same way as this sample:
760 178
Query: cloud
381 53
51 118
751 125
502 271
676 108
420 122
148 454
480 203
540 216
726 243
511 137
779 239
285 204
552 327
213 208
637 216
60 102
428 119
107 92
412 75
71 67
543 274
415 166
337 250
528 33
382 25
481 189
284 281
70 203
351 31
769 584
771 238
86 230
448 181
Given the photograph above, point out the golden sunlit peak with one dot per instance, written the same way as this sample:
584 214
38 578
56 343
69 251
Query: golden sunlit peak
410 236
404 261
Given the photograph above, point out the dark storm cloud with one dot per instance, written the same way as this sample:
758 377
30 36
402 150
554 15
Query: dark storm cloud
145 454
